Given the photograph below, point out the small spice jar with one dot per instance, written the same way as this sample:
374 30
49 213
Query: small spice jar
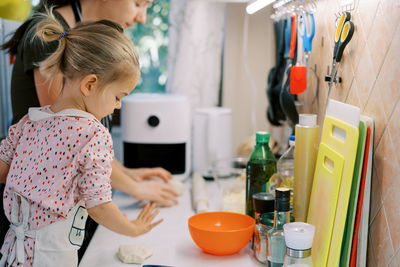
264 223
263 205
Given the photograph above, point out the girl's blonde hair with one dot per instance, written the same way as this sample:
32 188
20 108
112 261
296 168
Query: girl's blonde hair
99 48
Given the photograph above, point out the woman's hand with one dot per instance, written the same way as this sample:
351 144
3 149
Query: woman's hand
156 191
146 188
141 174
144 222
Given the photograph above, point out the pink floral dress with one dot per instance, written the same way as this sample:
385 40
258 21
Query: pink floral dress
55 161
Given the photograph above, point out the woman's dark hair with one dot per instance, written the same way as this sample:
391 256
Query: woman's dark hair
12 45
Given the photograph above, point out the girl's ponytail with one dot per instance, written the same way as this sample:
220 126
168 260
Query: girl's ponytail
49 30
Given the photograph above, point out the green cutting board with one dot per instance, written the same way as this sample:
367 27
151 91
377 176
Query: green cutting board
355 187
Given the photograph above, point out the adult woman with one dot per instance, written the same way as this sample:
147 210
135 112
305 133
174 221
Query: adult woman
29 88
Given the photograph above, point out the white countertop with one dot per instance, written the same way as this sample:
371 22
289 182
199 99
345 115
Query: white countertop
171 240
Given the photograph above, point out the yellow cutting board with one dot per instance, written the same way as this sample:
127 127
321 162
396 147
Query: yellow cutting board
323 199
330 194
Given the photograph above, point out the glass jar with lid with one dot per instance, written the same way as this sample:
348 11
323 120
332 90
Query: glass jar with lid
264 223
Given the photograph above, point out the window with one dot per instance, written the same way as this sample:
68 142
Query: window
151 40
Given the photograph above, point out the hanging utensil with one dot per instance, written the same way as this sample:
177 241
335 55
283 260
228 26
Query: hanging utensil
306 29
274 112
306 32
298 73
344 33
287 100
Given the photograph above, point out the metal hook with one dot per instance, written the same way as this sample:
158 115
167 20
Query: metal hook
311 6
347 5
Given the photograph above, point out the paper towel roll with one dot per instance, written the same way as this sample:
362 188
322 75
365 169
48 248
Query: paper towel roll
199 195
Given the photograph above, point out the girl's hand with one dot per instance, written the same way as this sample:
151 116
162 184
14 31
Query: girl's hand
143 223
156 191
141 174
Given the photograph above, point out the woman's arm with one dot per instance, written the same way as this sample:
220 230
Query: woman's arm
47 90
140 174
110 216
3 171
146 190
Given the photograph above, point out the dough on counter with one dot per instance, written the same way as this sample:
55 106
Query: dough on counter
177 186
134 253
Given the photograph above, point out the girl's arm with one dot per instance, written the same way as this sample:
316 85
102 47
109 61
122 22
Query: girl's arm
110 216
4 167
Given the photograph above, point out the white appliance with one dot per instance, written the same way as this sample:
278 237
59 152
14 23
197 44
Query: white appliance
156 132
212 138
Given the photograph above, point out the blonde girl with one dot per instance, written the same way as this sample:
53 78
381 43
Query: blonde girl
56 161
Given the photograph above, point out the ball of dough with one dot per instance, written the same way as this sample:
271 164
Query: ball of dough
134 253
177 186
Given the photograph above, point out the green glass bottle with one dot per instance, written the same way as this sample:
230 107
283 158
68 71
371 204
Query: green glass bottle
261 166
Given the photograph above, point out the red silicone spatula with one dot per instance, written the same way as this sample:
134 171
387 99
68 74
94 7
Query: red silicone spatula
298 79
298 73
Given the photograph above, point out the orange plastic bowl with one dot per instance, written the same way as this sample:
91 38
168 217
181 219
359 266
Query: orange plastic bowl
221 233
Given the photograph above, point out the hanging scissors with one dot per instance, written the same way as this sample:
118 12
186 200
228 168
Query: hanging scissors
344 33
306 30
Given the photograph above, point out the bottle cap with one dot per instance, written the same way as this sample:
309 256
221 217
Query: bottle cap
309 120
299 235
292 140
263 202
282 199
262 137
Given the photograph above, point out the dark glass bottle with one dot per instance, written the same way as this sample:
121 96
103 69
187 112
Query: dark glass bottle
260 167
276 250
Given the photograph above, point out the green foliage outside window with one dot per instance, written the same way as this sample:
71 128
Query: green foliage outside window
151 40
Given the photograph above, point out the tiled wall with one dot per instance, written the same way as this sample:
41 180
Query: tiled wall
370 70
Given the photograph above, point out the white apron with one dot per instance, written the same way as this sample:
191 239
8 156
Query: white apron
57 243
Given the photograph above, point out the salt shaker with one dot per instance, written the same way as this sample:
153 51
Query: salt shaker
298 238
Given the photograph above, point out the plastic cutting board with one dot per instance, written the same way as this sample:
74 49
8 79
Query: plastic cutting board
323 199
362 241
340 135
353 201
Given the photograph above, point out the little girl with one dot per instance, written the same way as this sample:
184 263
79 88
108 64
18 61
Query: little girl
56 160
